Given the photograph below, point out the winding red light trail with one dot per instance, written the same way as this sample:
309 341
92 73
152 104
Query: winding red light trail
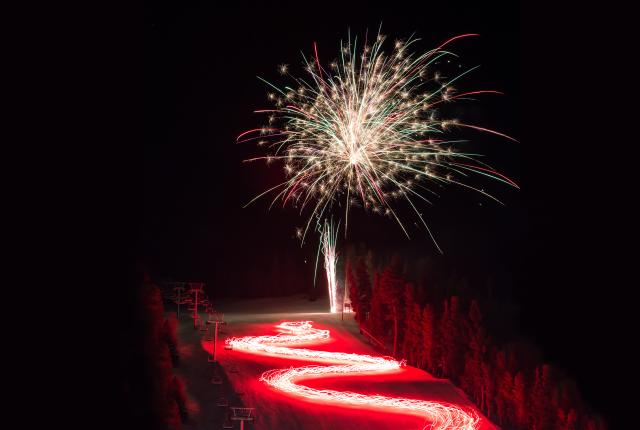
439 415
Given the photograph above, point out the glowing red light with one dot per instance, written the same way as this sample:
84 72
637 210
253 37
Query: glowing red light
440 415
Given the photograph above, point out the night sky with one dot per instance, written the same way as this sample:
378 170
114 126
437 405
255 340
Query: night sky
545 249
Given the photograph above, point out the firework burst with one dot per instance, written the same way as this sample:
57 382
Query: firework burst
367 131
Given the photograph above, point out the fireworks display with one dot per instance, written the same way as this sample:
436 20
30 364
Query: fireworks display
367 130
439 415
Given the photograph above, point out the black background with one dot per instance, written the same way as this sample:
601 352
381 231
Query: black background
556 247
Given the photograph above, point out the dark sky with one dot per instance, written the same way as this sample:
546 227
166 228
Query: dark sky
547 243
201 90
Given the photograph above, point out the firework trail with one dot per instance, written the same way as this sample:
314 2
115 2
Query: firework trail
328 242
367 130
440 416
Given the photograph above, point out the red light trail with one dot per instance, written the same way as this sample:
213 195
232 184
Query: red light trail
440 415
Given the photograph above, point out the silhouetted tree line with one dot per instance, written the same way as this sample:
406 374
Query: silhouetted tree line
155 397
447 335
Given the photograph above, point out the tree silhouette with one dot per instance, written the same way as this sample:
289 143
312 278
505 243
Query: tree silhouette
363 289
541 412
391 287
446 329
413 341
428 354
354 293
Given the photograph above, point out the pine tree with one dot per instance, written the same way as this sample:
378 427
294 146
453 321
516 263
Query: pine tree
428 354
541 411
363 283
567 420
375 320
504 381
519 400
503 400
472 380
594 423
488 388
391 286
413 327
354 293
453 339
442 336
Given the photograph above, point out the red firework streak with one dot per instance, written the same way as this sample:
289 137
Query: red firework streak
439 415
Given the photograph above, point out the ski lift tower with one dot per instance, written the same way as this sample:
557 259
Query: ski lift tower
242 415
217 319
196 289
178 296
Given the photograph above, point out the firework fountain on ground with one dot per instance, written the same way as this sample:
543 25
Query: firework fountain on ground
367 131
439 415
328 241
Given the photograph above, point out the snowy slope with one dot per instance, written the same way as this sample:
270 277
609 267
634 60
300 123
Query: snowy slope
277 411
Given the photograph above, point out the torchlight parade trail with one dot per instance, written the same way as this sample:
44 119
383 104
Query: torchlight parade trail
439 415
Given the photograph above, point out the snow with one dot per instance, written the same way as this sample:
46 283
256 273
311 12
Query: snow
274 410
